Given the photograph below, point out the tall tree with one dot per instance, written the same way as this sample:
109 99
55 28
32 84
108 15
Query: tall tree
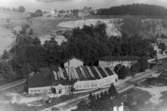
53 52
121 70
21 9
131 25
162 46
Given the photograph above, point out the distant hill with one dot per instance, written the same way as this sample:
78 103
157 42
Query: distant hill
134 9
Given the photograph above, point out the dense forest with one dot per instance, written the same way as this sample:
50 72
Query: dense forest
134 9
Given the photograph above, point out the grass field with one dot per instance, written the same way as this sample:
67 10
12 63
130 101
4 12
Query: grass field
44 26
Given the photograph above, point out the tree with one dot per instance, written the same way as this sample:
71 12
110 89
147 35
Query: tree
28 53
21 9
131 25
37 13
112 91
53 56
143 64
135 68
35 56
53 90
82 106
7 72
162 46
92 101
8 21
121 70
6 55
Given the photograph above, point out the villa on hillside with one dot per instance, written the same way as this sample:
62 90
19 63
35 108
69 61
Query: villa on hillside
112 61
56 82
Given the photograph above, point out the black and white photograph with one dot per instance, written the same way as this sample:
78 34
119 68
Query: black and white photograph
83 55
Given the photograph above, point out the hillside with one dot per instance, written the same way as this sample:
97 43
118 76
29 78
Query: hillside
135 9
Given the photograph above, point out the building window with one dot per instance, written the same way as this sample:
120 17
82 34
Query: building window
60 91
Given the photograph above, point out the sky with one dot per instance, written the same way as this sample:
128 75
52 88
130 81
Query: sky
71 4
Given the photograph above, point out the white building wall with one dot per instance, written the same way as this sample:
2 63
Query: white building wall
94 84
64 89
60 90
39 90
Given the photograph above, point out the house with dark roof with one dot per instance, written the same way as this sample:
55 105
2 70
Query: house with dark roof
44 82
39 82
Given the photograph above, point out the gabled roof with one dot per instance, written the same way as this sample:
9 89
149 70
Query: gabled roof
83 73
56 76
41 78
119 58
47 77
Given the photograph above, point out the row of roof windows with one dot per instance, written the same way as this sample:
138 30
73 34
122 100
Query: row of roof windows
48 77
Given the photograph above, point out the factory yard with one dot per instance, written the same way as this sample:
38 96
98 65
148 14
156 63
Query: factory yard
149 93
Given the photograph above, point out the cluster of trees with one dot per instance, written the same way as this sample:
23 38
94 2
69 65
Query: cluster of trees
19 9
92 43
162 46
139 66
162 36
123 71
37 13
28 54
134 9
6 72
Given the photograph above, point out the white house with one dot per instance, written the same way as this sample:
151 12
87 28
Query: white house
39 90
73 63
119 108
